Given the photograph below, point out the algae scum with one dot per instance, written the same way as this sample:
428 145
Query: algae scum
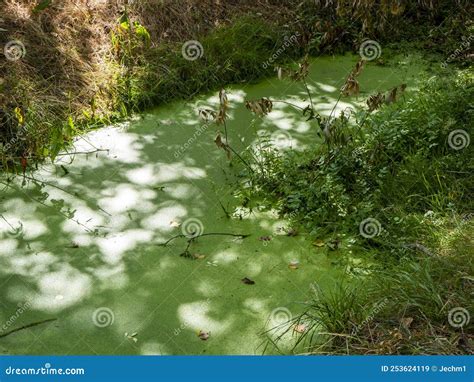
83 248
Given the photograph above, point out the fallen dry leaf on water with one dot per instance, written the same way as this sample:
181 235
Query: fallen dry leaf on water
300 328
204 335
247 281
319 243
132 337
294 264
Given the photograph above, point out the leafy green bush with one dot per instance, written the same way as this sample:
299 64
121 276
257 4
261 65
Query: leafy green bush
396 163
404 167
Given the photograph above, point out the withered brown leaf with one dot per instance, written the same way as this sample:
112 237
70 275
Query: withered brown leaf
247 281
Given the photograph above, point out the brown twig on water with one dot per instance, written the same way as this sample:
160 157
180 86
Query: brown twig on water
27 327
191 238
62 154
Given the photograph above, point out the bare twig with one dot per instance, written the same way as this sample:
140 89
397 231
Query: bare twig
60 154
190 239
27 327
288 103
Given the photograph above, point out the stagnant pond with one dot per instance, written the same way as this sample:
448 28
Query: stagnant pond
83 248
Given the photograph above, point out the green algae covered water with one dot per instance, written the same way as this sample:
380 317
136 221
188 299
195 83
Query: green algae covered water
83 246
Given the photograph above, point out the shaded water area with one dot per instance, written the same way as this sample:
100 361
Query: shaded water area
84 247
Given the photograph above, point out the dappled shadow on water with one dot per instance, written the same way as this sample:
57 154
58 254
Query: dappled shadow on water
82 242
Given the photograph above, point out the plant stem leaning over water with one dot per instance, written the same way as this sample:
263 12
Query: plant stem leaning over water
220 118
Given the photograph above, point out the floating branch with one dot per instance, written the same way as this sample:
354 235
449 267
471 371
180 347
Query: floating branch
62 154
83 152
27 327
186 253
243 236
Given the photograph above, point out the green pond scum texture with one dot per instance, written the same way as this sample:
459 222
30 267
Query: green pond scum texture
84 248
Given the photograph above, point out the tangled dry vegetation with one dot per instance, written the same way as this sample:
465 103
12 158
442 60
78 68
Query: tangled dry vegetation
69 49
71 67
73 73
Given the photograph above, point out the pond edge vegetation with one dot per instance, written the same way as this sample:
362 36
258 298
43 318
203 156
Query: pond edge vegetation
393 190
79 72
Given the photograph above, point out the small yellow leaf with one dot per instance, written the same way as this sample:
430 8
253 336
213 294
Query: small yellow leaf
19 115
319 243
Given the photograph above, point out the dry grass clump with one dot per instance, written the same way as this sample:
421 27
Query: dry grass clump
68 44
70 67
